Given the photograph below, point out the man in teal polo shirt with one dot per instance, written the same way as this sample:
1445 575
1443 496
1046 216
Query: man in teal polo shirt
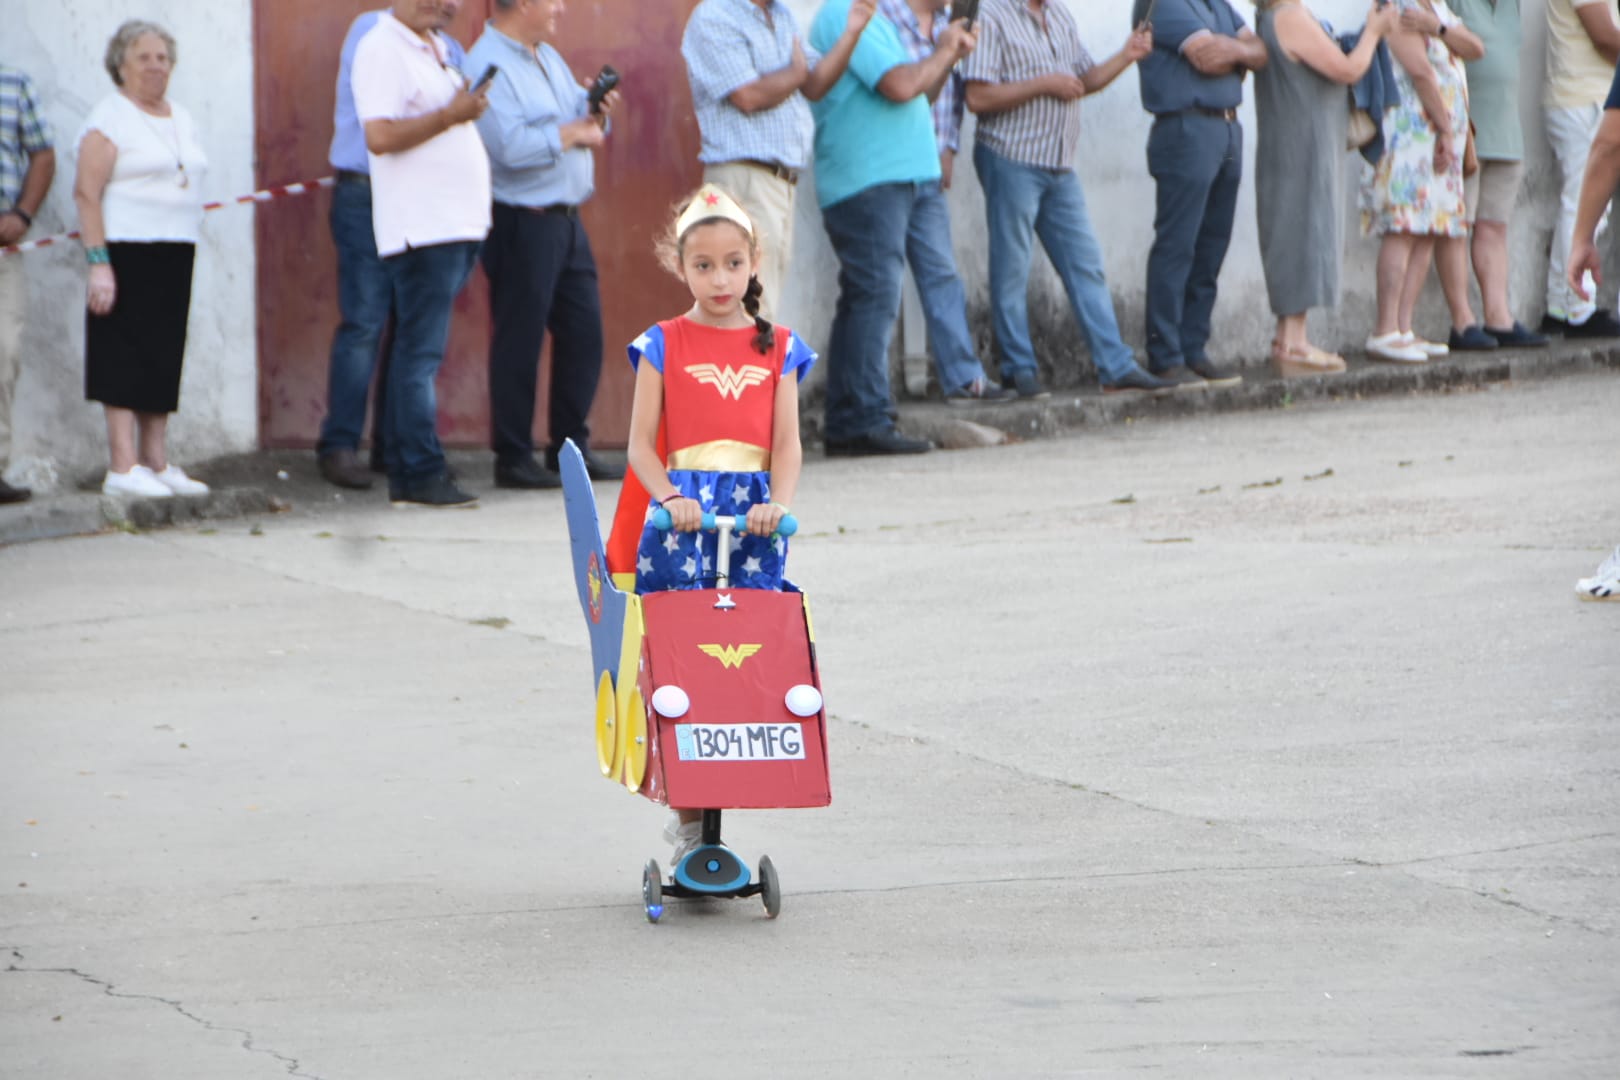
877 167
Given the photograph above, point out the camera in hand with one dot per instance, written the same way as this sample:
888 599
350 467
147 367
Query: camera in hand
606 80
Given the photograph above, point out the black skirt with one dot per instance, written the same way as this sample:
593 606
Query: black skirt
132 355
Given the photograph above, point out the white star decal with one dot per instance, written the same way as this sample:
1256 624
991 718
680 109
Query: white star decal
780 545
739 495
671 543
751 565
706 495
689 567
644 565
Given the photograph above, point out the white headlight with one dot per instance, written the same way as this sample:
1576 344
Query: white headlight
804 700
671 701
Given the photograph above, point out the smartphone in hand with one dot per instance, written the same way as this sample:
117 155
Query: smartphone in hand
605 81
967 9
485 79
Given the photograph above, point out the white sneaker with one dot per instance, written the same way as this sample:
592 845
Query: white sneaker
1393 348
1431 349
175 479
1603 585
138 482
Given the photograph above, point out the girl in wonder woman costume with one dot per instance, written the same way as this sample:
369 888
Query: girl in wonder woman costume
714 426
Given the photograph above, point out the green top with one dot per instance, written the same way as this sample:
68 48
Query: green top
1493 81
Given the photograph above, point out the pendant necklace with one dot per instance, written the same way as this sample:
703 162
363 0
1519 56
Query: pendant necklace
180 166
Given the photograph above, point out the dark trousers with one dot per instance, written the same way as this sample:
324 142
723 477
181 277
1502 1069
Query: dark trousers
1197 162
542 278
365 299
426 281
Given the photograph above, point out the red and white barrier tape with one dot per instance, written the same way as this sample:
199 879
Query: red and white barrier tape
280 191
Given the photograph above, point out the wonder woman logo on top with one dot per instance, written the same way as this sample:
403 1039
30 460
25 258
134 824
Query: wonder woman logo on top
729 381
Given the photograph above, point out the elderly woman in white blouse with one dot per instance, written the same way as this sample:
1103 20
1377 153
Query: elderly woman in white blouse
139 196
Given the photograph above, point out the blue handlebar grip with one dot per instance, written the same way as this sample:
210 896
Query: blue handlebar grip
787 526
709 521
661 520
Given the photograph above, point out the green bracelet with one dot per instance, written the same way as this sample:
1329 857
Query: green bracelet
98 256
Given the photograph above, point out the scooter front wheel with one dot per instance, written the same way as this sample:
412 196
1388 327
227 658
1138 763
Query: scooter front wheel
652 891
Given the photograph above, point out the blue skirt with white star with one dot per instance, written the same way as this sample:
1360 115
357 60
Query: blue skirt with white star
677 560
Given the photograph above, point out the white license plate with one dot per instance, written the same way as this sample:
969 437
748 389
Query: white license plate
739 742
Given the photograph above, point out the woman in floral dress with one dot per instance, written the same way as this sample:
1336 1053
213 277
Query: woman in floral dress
1415 194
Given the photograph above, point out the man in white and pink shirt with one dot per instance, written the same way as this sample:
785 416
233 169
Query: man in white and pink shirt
430 198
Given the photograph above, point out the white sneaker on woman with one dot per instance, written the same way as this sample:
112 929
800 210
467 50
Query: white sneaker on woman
175 479
138 482
1603 585
1393 348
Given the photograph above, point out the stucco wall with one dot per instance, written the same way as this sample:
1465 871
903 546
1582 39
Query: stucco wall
59 436
1112 163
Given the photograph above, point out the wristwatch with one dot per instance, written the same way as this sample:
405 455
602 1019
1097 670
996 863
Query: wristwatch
1441 32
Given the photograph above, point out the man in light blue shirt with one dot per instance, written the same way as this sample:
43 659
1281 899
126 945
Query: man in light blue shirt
877 168
541 135
364 292
751 74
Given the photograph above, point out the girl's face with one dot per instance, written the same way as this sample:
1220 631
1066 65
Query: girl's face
717 260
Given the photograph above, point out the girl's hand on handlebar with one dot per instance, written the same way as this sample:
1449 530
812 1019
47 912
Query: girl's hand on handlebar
763 518
685 515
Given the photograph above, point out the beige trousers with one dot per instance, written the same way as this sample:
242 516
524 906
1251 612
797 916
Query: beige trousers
769 201
13 294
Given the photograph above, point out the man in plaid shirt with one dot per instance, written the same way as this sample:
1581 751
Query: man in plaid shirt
751 73
27 164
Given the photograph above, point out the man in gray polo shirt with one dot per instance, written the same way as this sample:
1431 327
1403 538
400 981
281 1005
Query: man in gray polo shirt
751 73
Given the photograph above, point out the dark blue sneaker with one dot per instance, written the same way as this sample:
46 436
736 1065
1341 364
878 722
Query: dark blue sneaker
1139 380
1027 385
1517 336
1471 339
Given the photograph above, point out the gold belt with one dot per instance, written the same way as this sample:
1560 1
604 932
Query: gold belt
721 455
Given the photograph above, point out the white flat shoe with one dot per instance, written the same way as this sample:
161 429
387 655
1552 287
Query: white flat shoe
1393 349
1430 349
175 479
139 482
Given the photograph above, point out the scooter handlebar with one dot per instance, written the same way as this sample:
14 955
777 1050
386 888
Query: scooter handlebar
739 524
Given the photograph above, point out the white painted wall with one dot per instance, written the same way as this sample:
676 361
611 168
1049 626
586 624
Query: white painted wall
1113 167
60 437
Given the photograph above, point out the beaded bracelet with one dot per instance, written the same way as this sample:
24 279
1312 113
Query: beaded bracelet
98 256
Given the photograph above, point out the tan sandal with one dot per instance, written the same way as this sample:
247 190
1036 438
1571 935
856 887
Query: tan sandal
1301 361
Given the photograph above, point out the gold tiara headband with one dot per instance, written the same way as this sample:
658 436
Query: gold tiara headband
711 202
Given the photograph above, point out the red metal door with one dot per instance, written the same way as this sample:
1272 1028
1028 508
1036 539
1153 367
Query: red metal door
651 159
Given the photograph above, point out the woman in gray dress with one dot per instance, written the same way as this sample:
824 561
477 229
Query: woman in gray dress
1302 108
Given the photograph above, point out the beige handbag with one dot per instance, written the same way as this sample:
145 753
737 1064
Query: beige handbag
1362 129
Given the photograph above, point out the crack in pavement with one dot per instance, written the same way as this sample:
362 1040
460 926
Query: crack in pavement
112 991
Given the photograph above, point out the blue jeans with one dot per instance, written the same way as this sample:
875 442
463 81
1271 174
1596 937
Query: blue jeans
1025 201
426 281
871 233
1197 162
944 302
364 300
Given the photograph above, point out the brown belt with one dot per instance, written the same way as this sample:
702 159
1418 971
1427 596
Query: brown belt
1229 115
781 172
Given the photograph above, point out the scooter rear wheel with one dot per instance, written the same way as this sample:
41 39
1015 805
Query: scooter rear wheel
770 890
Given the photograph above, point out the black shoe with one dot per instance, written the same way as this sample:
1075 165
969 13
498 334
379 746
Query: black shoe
525 473
1600 325
1027 385
1517 336
595 467
981 391
9 494
1184 377
1552 325
377 462
1137 379
888 441
1214 377
438 491
343 468
1473 339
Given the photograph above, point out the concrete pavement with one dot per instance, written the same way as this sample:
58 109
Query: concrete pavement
1268 744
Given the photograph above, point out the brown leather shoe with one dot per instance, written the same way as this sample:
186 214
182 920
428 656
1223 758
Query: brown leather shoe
9 494
343 468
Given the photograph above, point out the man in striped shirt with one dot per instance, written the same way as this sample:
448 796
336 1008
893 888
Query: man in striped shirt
1024 83
751 74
